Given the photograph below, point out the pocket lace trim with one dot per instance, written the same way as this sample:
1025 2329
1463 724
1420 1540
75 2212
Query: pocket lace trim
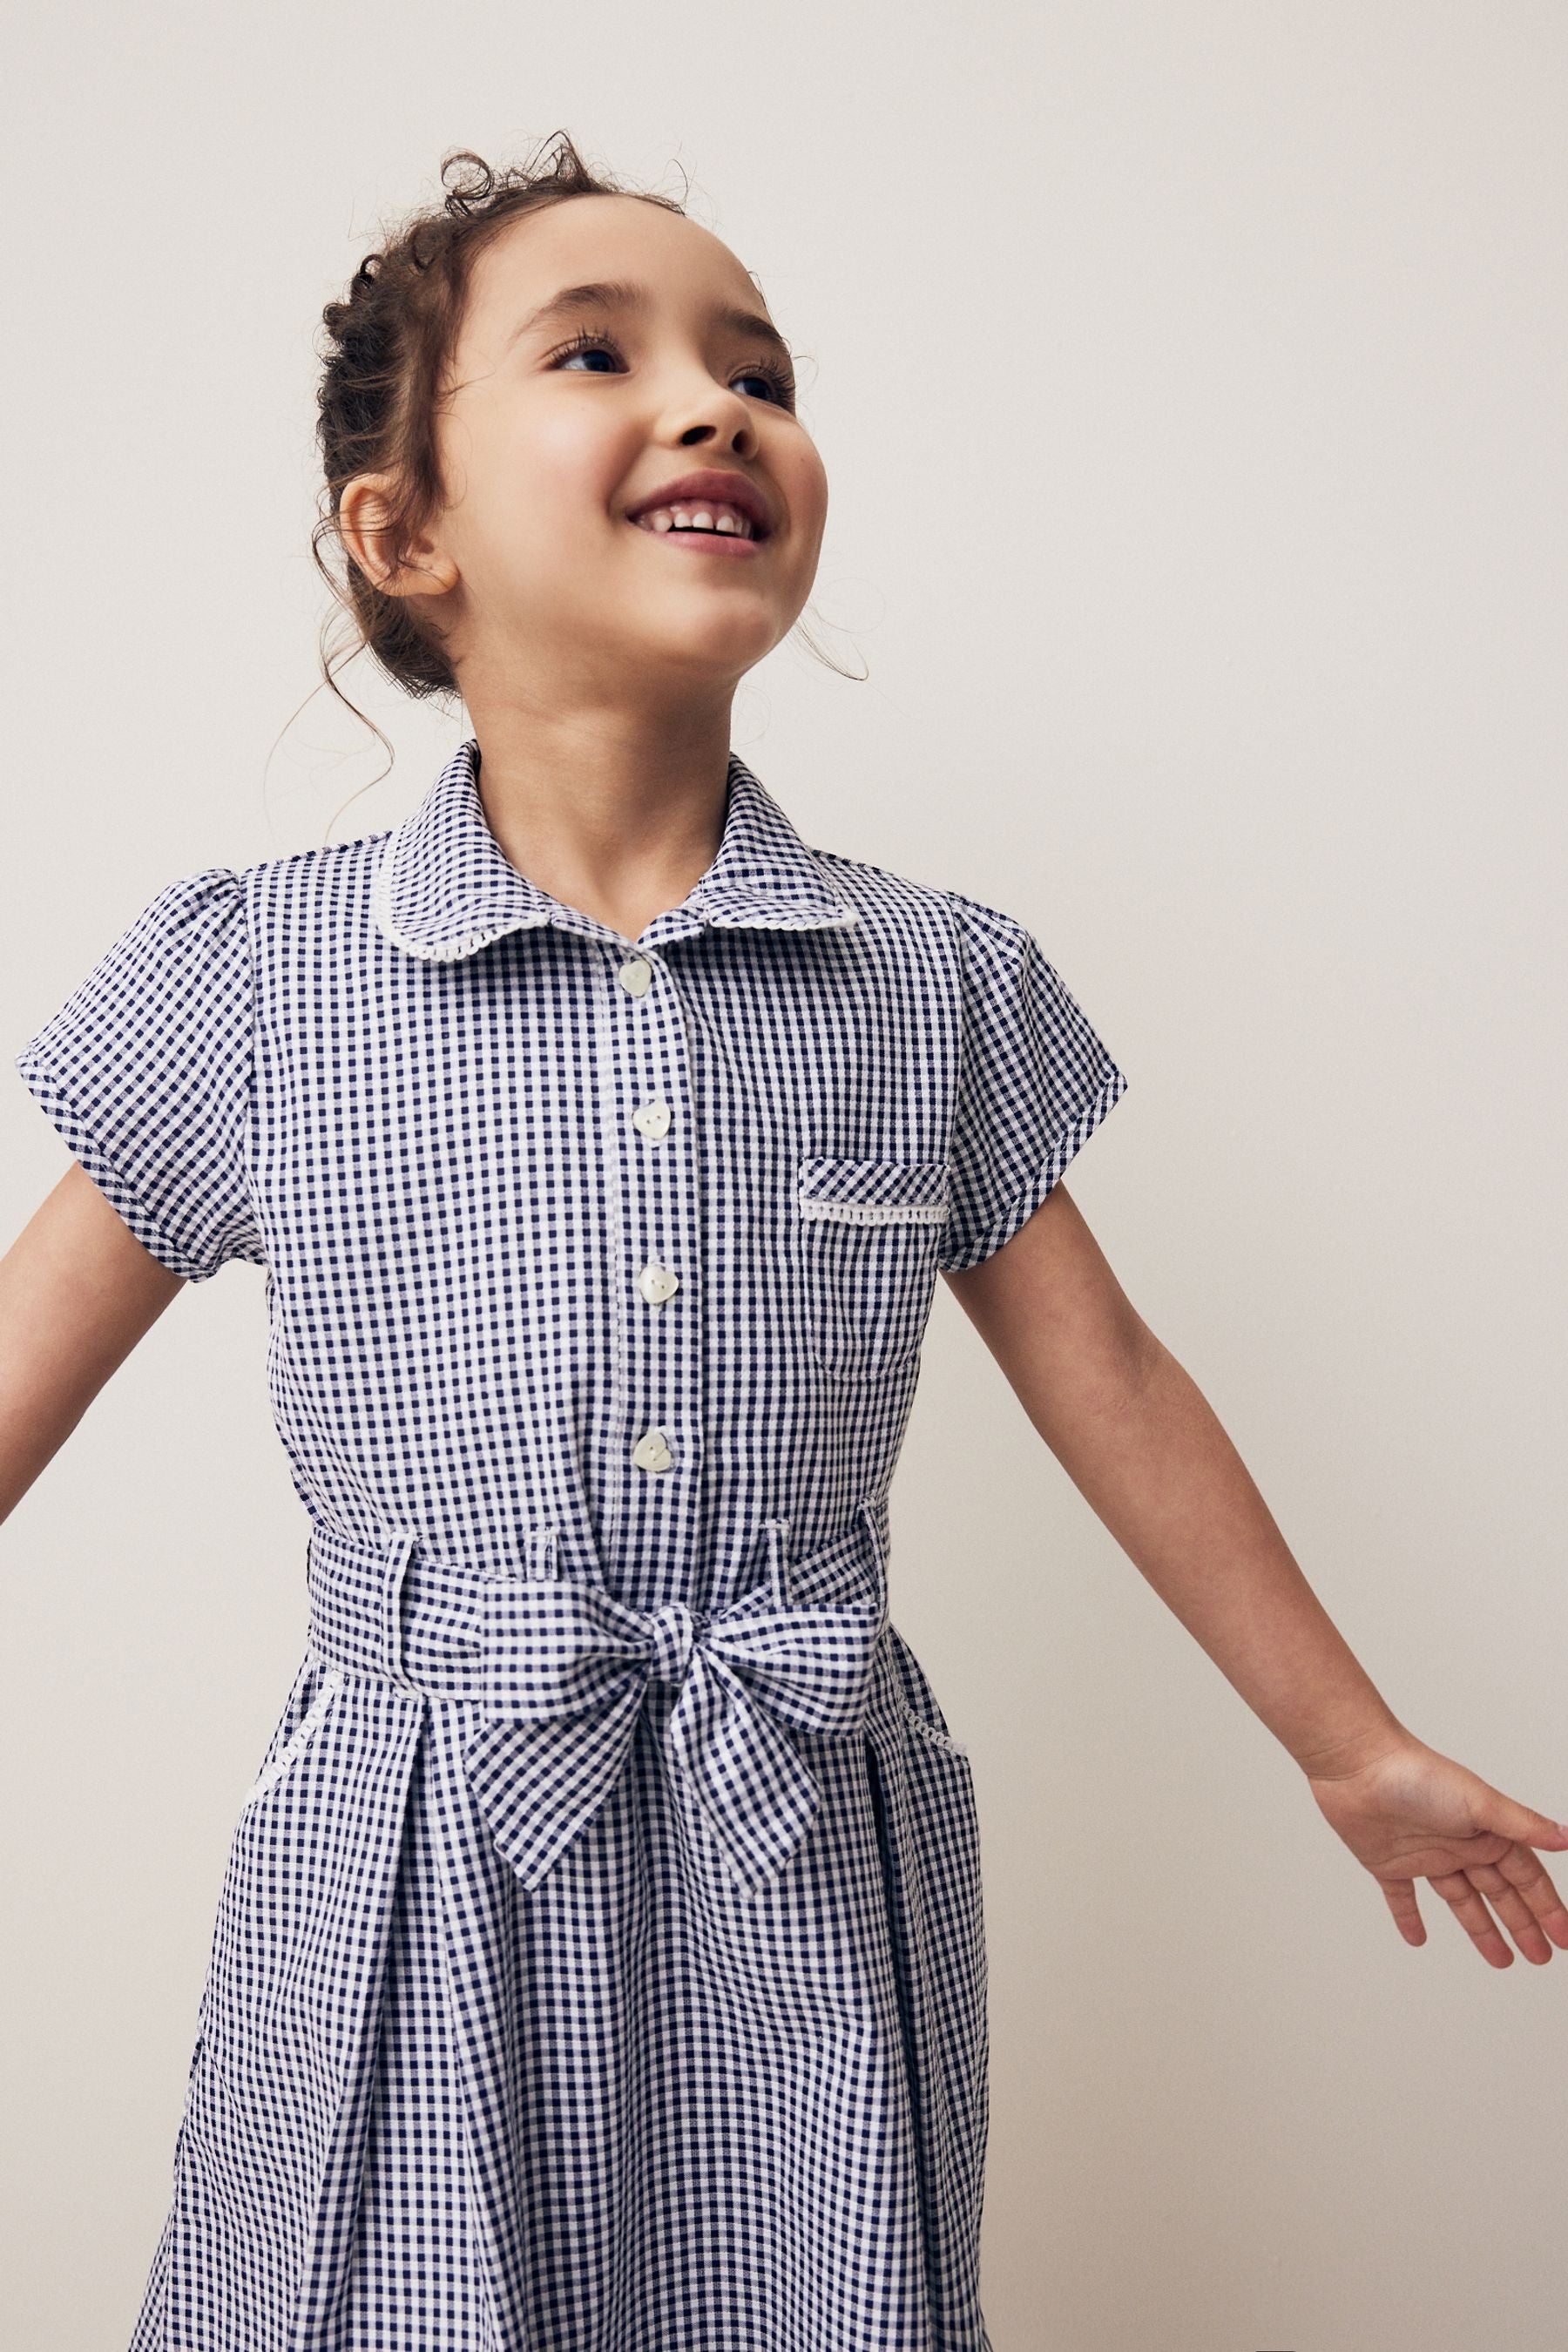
942 1740
304 1732
874 1212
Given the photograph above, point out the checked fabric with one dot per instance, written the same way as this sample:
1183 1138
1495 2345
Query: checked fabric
599 1964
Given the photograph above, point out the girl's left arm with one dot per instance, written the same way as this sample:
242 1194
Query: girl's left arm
1146 1450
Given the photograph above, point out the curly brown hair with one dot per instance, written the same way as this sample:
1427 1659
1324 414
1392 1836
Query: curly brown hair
389 340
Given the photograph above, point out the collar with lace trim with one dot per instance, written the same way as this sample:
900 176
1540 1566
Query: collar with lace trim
445 887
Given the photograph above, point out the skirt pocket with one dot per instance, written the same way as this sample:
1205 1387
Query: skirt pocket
923 1799
316 1688
930 1731
278 2107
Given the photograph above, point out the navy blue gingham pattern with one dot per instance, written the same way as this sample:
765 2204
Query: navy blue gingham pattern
600 1962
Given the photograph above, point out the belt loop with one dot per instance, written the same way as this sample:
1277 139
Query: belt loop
542 1549
392 1626
777 1534
871 1513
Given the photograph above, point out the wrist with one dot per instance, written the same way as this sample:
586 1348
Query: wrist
1339 1755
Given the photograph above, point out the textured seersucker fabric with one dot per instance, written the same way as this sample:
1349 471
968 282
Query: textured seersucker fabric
600 1963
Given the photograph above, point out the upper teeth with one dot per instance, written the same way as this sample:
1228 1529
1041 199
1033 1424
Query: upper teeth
712 516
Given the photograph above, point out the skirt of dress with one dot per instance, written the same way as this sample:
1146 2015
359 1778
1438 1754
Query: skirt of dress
633 2109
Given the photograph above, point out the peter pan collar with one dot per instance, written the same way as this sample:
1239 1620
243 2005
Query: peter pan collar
444 888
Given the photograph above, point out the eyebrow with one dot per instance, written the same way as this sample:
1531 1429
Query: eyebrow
616 294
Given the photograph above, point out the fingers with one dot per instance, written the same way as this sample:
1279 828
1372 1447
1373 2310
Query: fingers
1455 1887
1523 1897
1522 1894
1400 1894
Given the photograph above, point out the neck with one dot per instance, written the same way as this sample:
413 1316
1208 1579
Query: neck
613 812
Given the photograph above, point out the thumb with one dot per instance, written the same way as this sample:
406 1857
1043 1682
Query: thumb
1506 1818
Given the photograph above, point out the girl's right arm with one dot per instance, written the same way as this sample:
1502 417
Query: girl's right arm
77 1292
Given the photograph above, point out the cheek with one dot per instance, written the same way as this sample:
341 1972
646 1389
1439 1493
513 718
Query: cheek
804 480
570 463
532 497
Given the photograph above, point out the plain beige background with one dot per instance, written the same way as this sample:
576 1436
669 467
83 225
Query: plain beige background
1191 383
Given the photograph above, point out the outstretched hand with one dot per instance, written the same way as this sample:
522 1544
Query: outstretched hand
1411 1813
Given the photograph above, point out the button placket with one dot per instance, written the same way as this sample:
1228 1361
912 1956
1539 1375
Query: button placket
660 1410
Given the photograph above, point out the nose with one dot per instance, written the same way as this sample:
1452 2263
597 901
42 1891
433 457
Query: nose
744 440
722 417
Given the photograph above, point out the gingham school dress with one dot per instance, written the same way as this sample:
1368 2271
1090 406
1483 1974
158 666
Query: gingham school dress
599 1964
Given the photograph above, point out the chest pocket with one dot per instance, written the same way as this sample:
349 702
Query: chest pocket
867 1237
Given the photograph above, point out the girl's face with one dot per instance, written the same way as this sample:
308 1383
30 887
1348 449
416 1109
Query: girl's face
568 410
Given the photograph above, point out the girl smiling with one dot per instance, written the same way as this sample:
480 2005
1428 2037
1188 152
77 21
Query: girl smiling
600 1965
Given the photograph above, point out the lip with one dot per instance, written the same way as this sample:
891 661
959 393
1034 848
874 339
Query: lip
734 489
712 546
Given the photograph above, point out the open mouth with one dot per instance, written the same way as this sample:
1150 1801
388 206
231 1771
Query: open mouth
714 517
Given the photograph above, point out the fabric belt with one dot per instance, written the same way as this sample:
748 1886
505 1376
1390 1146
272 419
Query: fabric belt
561 1668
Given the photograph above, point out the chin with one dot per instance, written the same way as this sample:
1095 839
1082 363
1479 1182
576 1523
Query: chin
718 643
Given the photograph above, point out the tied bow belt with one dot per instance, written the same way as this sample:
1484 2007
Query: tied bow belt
559 1668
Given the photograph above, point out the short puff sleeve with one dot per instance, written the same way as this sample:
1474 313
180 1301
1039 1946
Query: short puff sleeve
146 1072
1033 1082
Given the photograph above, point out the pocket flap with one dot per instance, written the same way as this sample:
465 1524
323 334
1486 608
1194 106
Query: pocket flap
874 1192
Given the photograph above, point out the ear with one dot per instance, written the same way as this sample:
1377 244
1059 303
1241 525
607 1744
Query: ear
365 516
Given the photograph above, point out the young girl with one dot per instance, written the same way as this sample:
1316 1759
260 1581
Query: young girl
600 1964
